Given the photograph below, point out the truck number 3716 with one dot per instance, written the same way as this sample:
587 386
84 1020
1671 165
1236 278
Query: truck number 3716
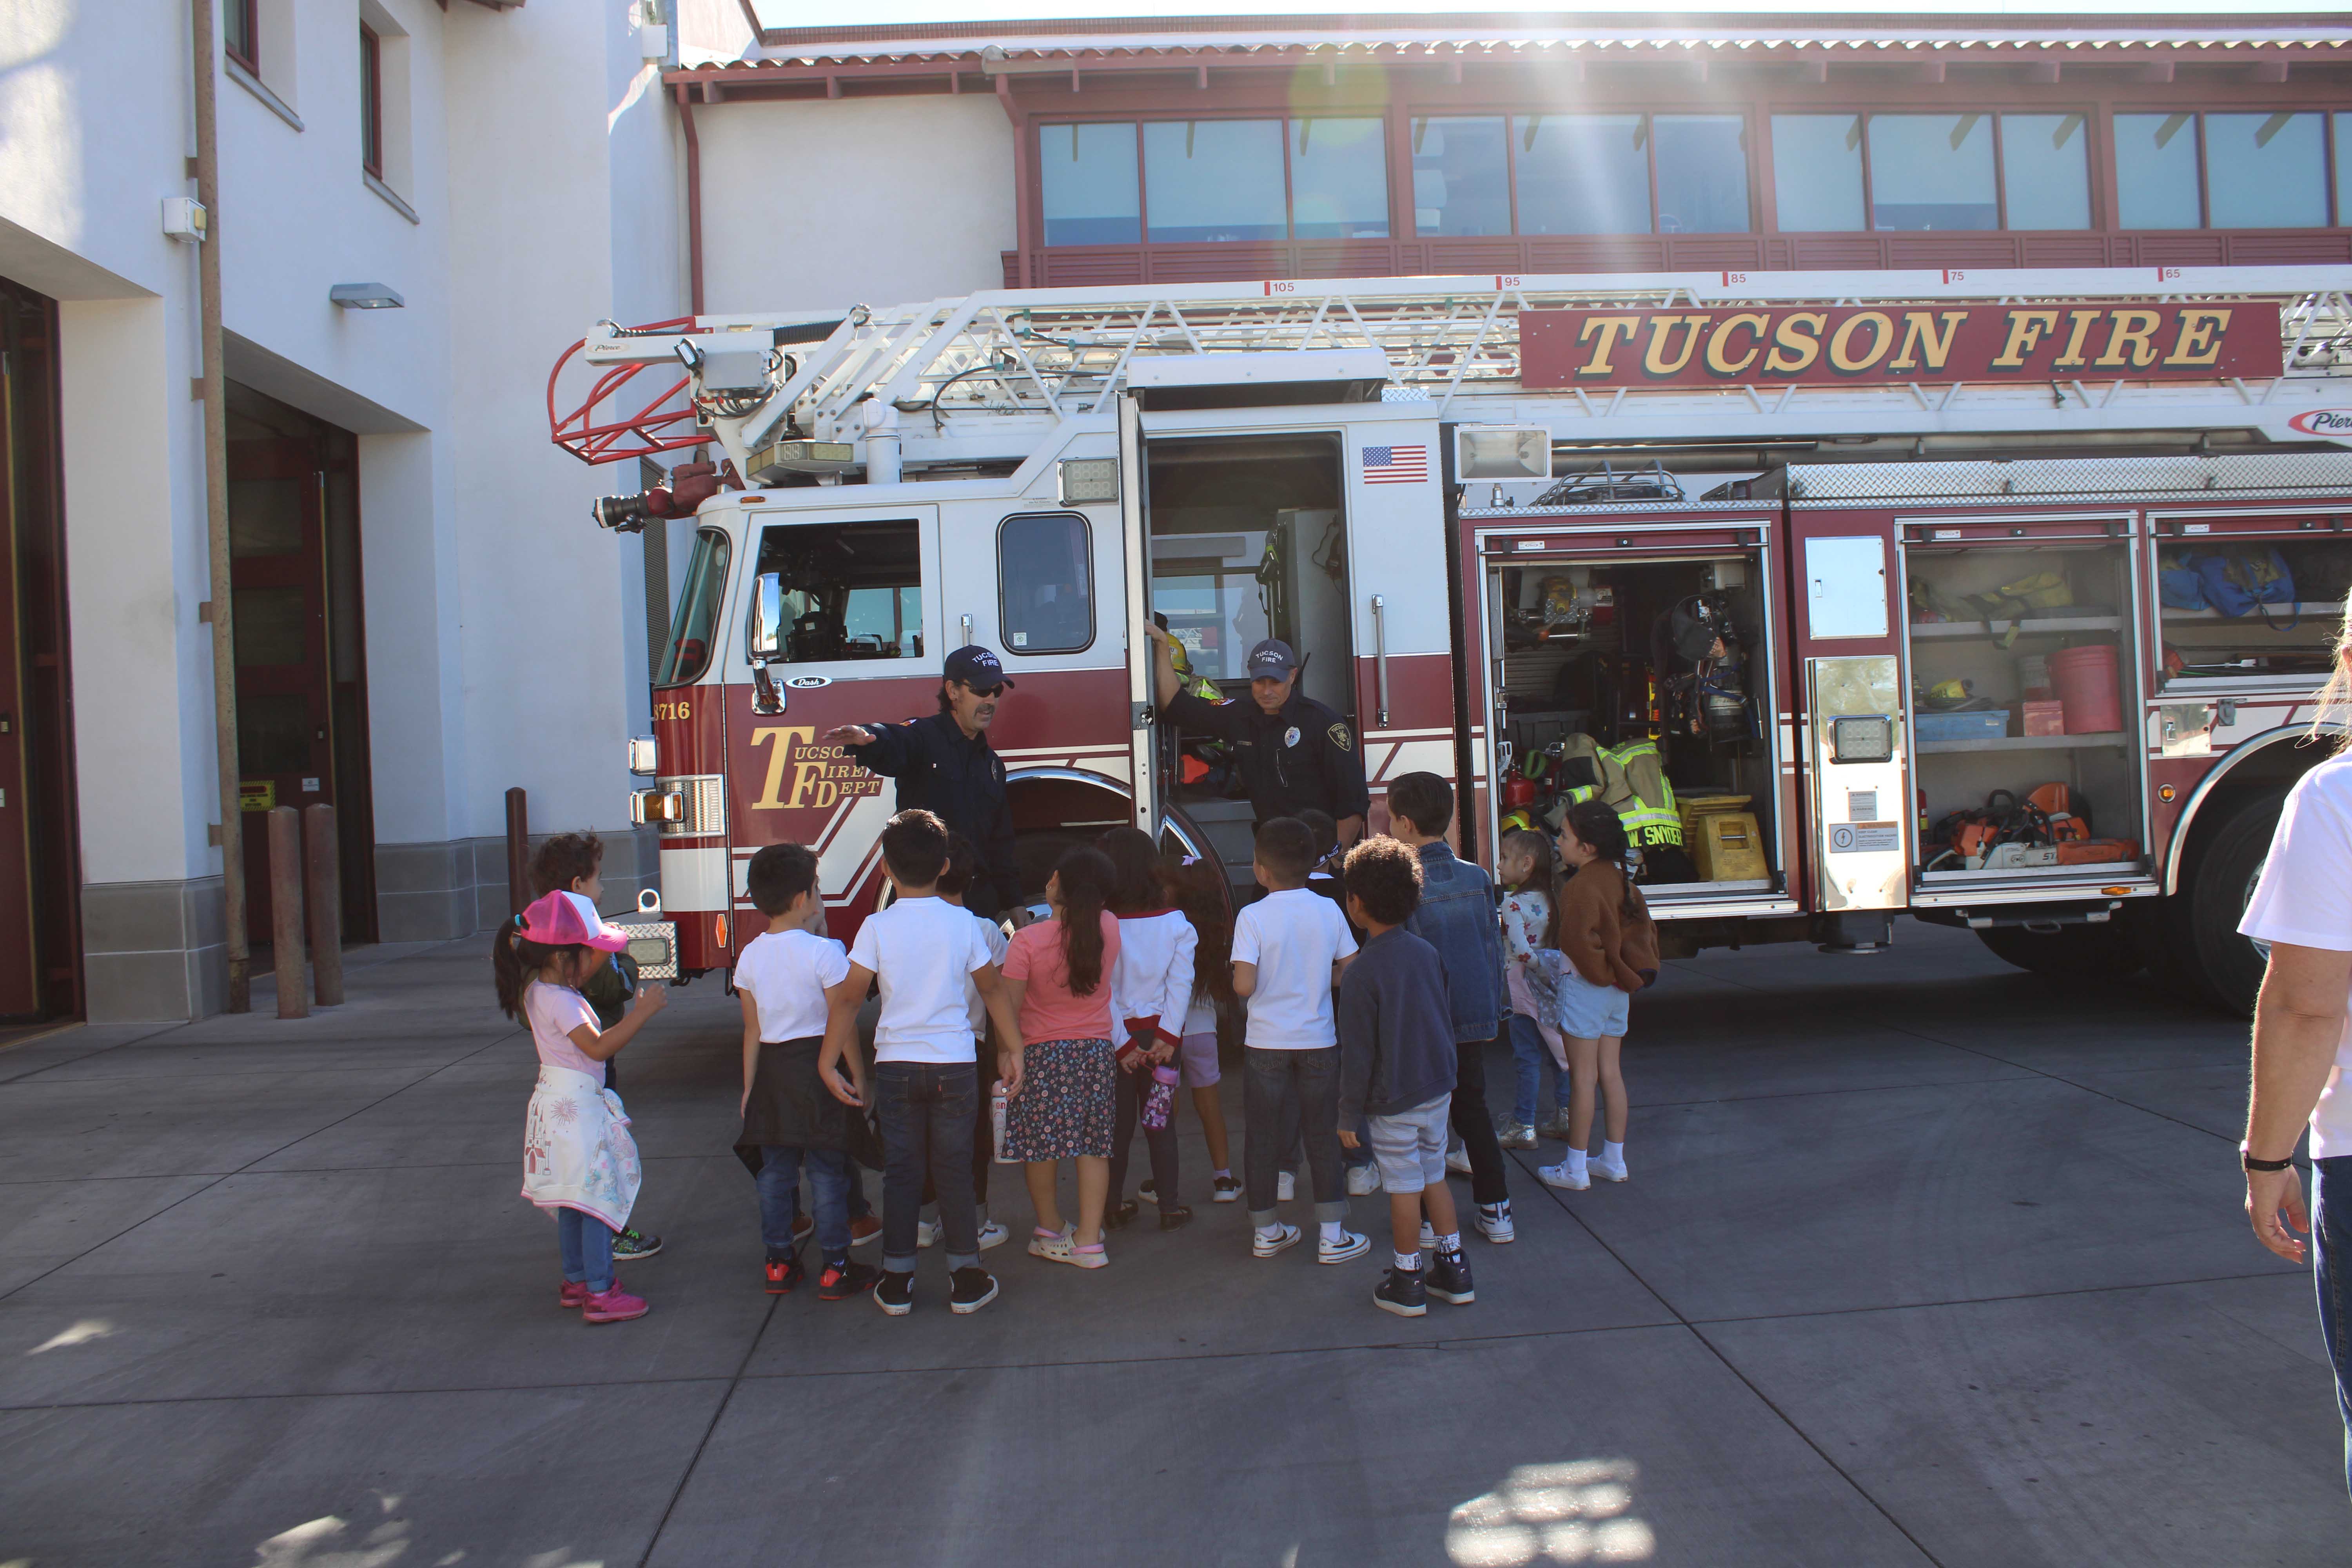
679 709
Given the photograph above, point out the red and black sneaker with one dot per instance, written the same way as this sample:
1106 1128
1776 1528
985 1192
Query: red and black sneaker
841 1280
783 1273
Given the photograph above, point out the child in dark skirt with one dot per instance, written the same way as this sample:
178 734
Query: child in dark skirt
785 978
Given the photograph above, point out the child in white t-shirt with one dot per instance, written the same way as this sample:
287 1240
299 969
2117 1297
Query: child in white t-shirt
1288 951
925 1084
963 864
784 978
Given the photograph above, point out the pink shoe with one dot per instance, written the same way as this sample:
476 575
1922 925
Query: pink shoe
613 1306
574 1294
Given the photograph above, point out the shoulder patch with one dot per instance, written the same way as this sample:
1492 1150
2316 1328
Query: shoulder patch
1339 737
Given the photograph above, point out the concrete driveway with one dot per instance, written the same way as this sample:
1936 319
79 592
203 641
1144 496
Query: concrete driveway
1923 1261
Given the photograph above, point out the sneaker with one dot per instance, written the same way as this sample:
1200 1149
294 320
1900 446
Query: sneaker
633 1245
1555 1125
803 1227
1458 1161
1175 1217
574 1295
1515 1135
1146 1193
1350 1244
783 1273
1053 1248
1608 1169
1400 1292
927 1234
1117 1216
841 1281
613 1306
1495 1222
994 1235
1563 1175
1286 1187
865 1227
896 1294
1266 1247
1363 1180
969 1288
1225 1190
1428 1237
1449 1280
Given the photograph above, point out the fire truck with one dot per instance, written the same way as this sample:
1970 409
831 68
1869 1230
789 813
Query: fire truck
2002 598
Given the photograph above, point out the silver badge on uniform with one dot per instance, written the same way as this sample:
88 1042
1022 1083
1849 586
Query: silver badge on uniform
1290 736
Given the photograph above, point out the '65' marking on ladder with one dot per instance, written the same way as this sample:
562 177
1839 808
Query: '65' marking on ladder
821 775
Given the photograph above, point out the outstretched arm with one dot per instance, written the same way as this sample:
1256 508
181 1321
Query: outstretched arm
1163 662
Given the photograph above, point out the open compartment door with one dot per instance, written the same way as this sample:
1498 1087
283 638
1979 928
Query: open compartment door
1143 744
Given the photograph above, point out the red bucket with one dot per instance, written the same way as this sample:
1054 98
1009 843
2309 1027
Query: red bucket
2085 679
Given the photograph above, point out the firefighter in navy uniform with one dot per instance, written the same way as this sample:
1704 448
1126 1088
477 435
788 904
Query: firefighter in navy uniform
943 763
1296 754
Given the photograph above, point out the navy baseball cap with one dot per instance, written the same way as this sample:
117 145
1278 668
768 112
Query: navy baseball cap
975 666
1272 660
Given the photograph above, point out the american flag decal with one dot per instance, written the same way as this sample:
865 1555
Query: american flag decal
1395 465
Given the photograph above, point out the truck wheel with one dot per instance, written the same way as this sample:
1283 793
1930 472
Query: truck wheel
2212 899
2103 952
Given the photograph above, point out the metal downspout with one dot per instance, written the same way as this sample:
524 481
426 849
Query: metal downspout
214 390
693 202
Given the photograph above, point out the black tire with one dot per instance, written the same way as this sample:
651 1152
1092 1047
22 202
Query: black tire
2202 918
2102 951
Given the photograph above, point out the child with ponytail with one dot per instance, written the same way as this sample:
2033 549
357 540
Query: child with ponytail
1151 994
1603 930
578 1160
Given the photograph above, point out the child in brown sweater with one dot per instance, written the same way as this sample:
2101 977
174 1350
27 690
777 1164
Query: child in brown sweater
1603 931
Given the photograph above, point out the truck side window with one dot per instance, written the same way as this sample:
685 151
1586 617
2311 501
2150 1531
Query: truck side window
1045 575
852 590
698 598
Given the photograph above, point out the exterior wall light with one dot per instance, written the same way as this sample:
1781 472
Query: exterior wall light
365 297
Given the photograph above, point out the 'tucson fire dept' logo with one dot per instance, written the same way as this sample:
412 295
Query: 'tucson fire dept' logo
803 775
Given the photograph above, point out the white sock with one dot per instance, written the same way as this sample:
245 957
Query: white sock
1270 1231
1410 1262
1612 1152
1575 1161
1333 1230
1221 1170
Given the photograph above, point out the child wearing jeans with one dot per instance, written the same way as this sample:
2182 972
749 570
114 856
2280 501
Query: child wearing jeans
1396 1071
1610 950
790 1123
1524 864
963 863
1151 993
578 1159
1289 950
919 949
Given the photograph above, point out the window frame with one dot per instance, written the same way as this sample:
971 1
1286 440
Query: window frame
1086 556
666 678
1285 122
2099 222
370 101
2331 218
248 14
757 523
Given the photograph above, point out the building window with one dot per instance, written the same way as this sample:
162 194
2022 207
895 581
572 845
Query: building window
1941 171
1932 172
371 102
1701 161
1213 180
2045 170
1045 578
1817 172
1196 181
2155 171
1461 176
1582 174
2265 171
241 32
1088 185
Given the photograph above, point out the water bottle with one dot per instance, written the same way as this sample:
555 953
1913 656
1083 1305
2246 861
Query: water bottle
1161 1099
996 1101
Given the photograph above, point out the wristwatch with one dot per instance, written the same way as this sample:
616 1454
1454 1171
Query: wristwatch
2250 1164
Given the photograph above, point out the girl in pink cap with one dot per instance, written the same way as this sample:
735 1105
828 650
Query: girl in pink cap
578 1159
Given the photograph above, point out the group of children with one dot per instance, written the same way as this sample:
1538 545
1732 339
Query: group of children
1065 1040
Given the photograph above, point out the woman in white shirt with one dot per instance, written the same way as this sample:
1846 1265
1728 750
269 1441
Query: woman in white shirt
2302 907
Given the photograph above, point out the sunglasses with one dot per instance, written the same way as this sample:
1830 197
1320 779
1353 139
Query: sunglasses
989 691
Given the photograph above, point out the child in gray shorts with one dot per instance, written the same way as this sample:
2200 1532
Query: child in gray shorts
1397 1071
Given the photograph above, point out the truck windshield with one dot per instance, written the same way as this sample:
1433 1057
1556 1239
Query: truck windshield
697 610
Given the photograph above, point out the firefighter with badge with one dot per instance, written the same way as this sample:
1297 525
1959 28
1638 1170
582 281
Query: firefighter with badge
1295 753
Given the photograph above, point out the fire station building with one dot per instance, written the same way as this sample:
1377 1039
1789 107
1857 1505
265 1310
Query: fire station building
419 206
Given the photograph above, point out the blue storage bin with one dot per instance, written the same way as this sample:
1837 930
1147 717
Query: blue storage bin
1983 724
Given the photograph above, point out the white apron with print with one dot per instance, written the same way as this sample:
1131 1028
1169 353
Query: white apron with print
576 1149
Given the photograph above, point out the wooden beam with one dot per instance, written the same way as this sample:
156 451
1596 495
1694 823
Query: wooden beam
2041 73
2266 73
